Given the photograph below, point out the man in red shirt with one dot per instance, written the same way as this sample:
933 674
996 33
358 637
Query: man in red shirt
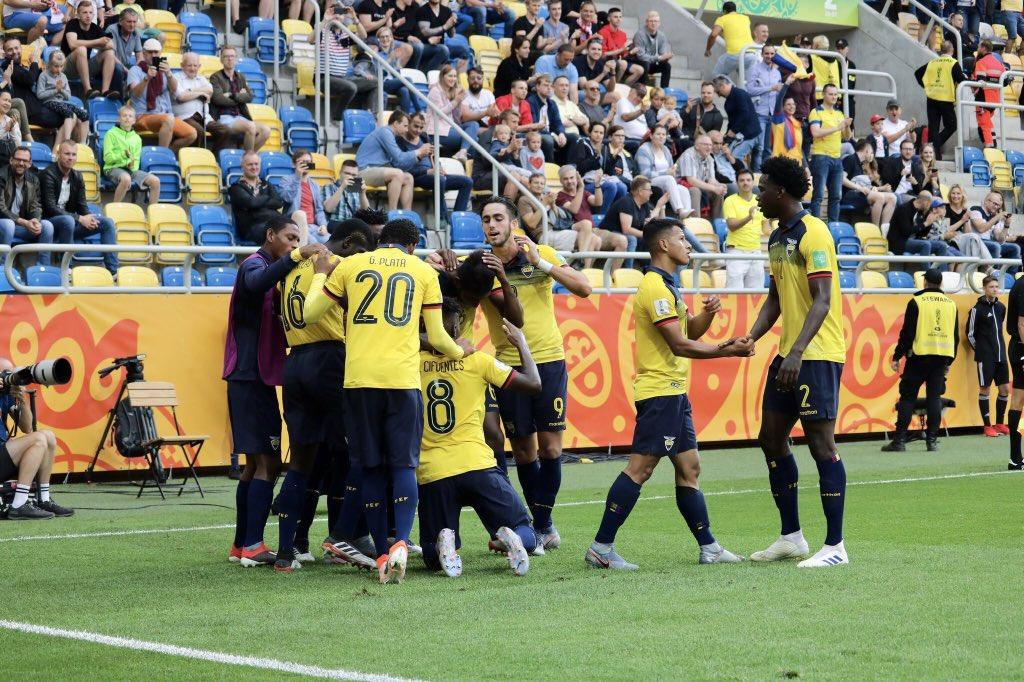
618 47
516 101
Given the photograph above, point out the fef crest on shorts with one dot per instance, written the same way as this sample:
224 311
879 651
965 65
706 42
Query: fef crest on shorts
275 443
669 442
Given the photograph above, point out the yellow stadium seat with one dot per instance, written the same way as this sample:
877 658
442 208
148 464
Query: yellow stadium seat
993 155
170 227
322 171
173 60
699 226
201 175
209 65
26 55
262 113
1000 32
551 174
595 277
686 279
90 170
136 276
488 61
382 117
167 23
483 43
91 276
718 279
919 279
305 85
505 48
627 278
518 8
297 34
908 24
872 243
870 279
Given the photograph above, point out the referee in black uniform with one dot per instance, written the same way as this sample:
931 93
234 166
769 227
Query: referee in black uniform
1014 324
929 341
985 336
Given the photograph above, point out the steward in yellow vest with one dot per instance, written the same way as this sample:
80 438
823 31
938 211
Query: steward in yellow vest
929 340
939 78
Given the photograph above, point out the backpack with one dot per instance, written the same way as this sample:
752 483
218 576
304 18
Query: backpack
131 424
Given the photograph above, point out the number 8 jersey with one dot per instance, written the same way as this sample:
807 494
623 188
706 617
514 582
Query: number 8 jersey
384 292
294 290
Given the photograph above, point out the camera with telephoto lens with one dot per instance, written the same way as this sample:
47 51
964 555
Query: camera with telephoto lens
45 373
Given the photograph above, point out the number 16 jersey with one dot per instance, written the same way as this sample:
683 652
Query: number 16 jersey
294 290
384 293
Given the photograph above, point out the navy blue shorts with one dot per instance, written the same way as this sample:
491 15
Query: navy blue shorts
255 418
524 415
384 426
490 399
664 426
487 491
816 397
314 377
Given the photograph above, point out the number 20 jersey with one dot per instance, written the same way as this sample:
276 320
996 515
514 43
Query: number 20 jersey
453 413
384 293
330 327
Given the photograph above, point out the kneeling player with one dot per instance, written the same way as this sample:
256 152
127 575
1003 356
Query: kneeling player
457 467
666 337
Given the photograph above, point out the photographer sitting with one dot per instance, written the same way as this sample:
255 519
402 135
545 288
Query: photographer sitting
28 457
192 104
346 196
303 200
151 85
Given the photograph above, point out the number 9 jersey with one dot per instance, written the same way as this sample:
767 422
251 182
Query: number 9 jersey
294 290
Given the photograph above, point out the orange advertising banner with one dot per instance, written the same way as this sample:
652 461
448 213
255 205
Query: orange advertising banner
183 339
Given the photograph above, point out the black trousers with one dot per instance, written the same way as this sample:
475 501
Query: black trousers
941 123
664 68
929 370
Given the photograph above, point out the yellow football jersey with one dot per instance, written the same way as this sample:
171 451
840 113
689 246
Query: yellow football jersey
330 327
797 252
533 287
831 144
453 413
657 303
748 237
385 291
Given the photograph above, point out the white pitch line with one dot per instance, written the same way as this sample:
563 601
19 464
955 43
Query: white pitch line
200 654
651 498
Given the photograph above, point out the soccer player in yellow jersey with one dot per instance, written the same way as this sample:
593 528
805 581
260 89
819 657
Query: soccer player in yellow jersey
803 381
385 293
534 424
314 374
457 467
666 338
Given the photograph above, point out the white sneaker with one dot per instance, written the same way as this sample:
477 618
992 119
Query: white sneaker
518 559
451 562
550 540
538 550
793 546
305 557
829 555
716 554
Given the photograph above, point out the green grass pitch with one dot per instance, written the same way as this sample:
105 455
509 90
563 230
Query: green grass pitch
936 543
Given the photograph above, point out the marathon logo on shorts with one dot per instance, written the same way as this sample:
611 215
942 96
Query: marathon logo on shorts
669 442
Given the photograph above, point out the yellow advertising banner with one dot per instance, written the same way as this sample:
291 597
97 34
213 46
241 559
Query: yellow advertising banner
183 339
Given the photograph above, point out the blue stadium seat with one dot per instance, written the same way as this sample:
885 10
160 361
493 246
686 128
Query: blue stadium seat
847 280
900 280
102 109
409 215
681 97
230 165
174 276
1008 280
275 165
981 175
212 228
721 229
258 26
5 285
43 276
846 241
200 33
1014 158
255 77
221 277
357 124
300 130
42 155
162 162
972 155
467 231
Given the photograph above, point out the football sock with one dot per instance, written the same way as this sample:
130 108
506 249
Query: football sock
528 480
1014 424
291 503
983 406
310 501
351 508
691 505
261 494
528 537
501 460
783 476
338 474
374 496
832 483
405 496
241 512
20 496
621 497
549 480
362 527
1002 402
44 492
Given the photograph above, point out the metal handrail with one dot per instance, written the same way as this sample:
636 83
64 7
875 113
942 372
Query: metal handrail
933 19
980 104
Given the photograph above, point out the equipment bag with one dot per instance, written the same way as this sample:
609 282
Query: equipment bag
131 428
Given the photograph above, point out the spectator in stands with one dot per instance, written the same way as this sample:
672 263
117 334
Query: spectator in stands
531 156
931 170
992 223
21 211
864 189
743 131
544 111
505 148
746 227
656 164
436 22
515 67
788 133
825 68
628 215
843 48
653 51
618 49
585 27
346 196
394 54
191 104
959 230
592 67
592 107
1011 17
31 16
253 201
580 204
531 26
372 16
934 230
697 168
63 195
10 131
516 101
122 156
764 83
877 138
127 40
554 27
559 64
735 30
348 91
303 200
230 102
907 232
939 78
659 114
726 165
384 164
483 12
968 24
573 118
802 90
477 105
903 173
629 113
760 33
897 130
423 173
829 127
447 95
264 10
54 92
592 160
702 116
151 87
532 218
987 67
81 36
405 48
20 81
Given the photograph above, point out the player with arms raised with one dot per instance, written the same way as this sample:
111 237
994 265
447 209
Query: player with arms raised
385 293
666 338
803 380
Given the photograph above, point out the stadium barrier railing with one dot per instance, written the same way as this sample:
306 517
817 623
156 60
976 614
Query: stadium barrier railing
966 280
1002 105
925 35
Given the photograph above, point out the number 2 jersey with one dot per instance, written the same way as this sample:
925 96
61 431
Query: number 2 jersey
294 290
453 406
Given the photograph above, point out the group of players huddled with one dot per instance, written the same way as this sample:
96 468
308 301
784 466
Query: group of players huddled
391 409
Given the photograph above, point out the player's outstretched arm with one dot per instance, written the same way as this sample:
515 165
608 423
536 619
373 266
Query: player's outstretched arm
688 348
437 337
769 314
573 280
527 381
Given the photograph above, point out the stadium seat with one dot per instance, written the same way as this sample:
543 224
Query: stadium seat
161 162
90 170
467 230
686 279
872 244
847 280
1008 281
300 130
231 165
304 83
482 44
719 278
845 238
91 276
5 284
264 37
42 155
212 227
200 34
417 78
722 230
356 124
174 276
900 280
170 227
173 31
256 79
322 172
296 33
551 175
221 277
627 278
43 276
210 64
136 276
275 165
132 228
595 277
201 175
89 257
972 155
505 47
993 155
416 220
869 279
261 113
699 226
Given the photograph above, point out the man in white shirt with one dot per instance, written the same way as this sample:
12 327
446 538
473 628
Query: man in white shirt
896 129
629 113
191 103
697 167
478 104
